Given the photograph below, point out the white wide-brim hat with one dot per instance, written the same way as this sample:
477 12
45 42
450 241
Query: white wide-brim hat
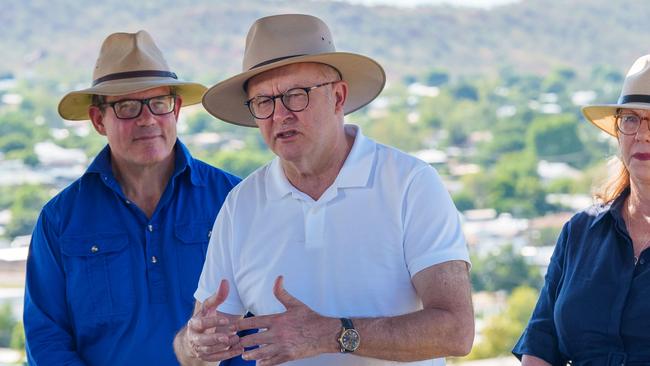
634 95
281 40
127 63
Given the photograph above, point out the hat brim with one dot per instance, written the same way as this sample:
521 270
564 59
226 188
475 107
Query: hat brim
366 79
602 115
74 105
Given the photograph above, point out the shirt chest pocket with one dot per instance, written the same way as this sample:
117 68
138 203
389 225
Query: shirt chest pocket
192 245
99 275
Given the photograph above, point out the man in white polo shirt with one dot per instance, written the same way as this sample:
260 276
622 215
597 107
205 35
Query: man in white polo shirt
348 251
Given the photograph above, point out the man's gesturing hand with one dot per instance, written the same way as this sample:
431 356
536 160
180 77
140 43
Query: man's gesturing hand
297 333
210 336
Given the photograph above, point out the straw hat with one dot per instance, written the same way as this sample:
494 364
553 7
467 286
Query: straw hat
127 63
281 40
635 95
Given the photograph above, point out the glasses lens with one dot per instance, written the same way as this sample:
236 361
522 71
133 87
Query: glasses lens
261 107
162 105
295 100
628 123
127 108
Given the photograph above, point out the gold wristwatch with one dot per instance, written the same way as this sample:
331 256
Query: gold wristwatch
349 339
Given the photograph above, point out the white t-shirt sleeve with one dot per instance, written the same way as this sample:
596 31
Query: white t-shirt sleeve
219 263
432 228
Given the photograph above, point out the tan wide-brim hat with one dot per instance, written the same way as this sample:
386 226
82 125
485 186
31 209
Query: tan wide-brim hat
634 95
281 40
127 63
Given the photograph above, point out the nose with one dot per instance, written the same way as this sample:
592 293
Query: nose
145 118
280 112
643 134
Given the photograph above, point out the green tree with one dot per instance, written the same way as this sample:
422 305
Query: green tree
27 203
513 186
436 77
18 337
240 162
7 323
503 271
502 331
556 138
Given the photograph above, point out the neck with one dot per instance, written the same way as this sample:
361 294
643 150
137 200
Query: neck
144 185
638 203
314 177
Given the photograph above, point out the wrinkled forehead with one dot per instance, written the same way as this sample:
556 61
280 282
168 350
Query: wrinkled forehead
290 76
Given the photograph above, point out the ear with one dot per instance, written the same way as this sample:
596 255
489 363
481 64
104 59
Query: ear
177 106
340 96
97 118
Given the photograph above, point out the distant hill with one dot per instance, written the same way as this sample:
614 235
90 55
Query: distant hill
204 39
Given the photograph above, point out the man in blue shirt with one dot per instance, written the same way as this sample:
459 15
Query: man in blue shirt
116 256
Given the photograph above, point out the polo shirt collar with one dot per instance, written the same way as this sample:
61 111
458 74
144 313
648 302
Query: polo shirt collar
183 161
355 171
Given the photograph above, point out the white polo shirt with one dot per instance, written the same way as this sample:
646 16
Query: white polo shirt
352 253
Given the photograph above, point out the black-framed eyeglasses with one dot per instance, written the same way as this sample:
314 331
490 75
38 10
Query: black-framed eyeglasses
132 108
294 99
629 123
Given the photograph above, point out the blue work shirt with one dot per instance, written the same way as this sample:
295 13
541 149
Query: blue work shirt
594 308
105 284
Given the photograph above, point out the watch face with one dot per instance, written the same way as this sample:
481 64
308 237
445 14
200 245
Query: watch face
350 340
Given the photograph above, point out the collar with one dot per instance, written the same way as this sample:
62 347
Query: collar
183 161
355 171
612 209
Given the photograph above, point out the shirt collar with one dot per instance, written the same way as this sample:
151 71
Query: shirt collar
613 209
355 171
183 161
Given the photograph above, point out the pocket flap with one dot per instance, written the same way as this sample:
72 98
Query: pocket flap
91 246
194 233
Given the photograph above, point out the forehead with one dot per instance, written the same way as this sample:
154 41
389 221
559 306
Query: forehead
161 90
285 77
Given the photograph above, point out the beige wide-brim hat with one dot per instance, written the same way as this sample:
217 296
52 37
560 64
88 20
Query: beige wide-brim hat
634 95
127 63
281 40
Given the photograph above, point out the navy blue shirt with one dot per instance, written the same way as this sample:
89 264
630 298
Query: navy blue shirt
594 308
105 284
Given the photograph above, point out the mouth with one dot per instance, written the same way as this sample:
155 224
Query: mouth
286 134
146 138
641 156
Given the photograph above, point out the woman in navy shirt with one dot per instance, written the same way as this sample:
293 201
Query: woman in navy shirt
594 308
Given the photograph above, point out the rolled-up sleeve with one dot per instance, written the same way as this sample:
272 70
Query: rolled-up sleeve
539 339
48 331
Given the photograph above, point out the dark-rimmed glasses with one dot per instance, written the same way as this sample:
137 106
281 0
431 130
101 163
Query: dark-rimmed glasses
132 108
629 123
294 99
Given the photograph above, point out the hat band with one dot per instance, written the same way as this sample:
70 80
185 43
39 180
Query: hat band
634 98
135 74
275 60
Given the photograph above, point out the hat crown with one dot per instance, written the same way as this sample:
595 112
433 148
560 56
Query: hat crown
126 52
637 80
279 37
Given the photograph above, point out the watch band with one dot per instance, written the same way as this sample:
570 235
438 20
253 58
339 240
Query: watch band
347 323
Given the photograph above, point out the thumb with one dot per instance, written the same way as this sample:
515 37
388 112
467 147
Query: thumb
283 296
217 299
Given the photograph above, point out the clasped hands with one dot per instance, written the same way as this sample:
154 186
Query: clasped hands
297 333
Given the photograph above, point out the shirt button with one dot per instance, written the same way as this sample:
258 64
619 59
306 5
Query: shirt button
209 233
642 261
150 228
154 260
128 202
94 249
